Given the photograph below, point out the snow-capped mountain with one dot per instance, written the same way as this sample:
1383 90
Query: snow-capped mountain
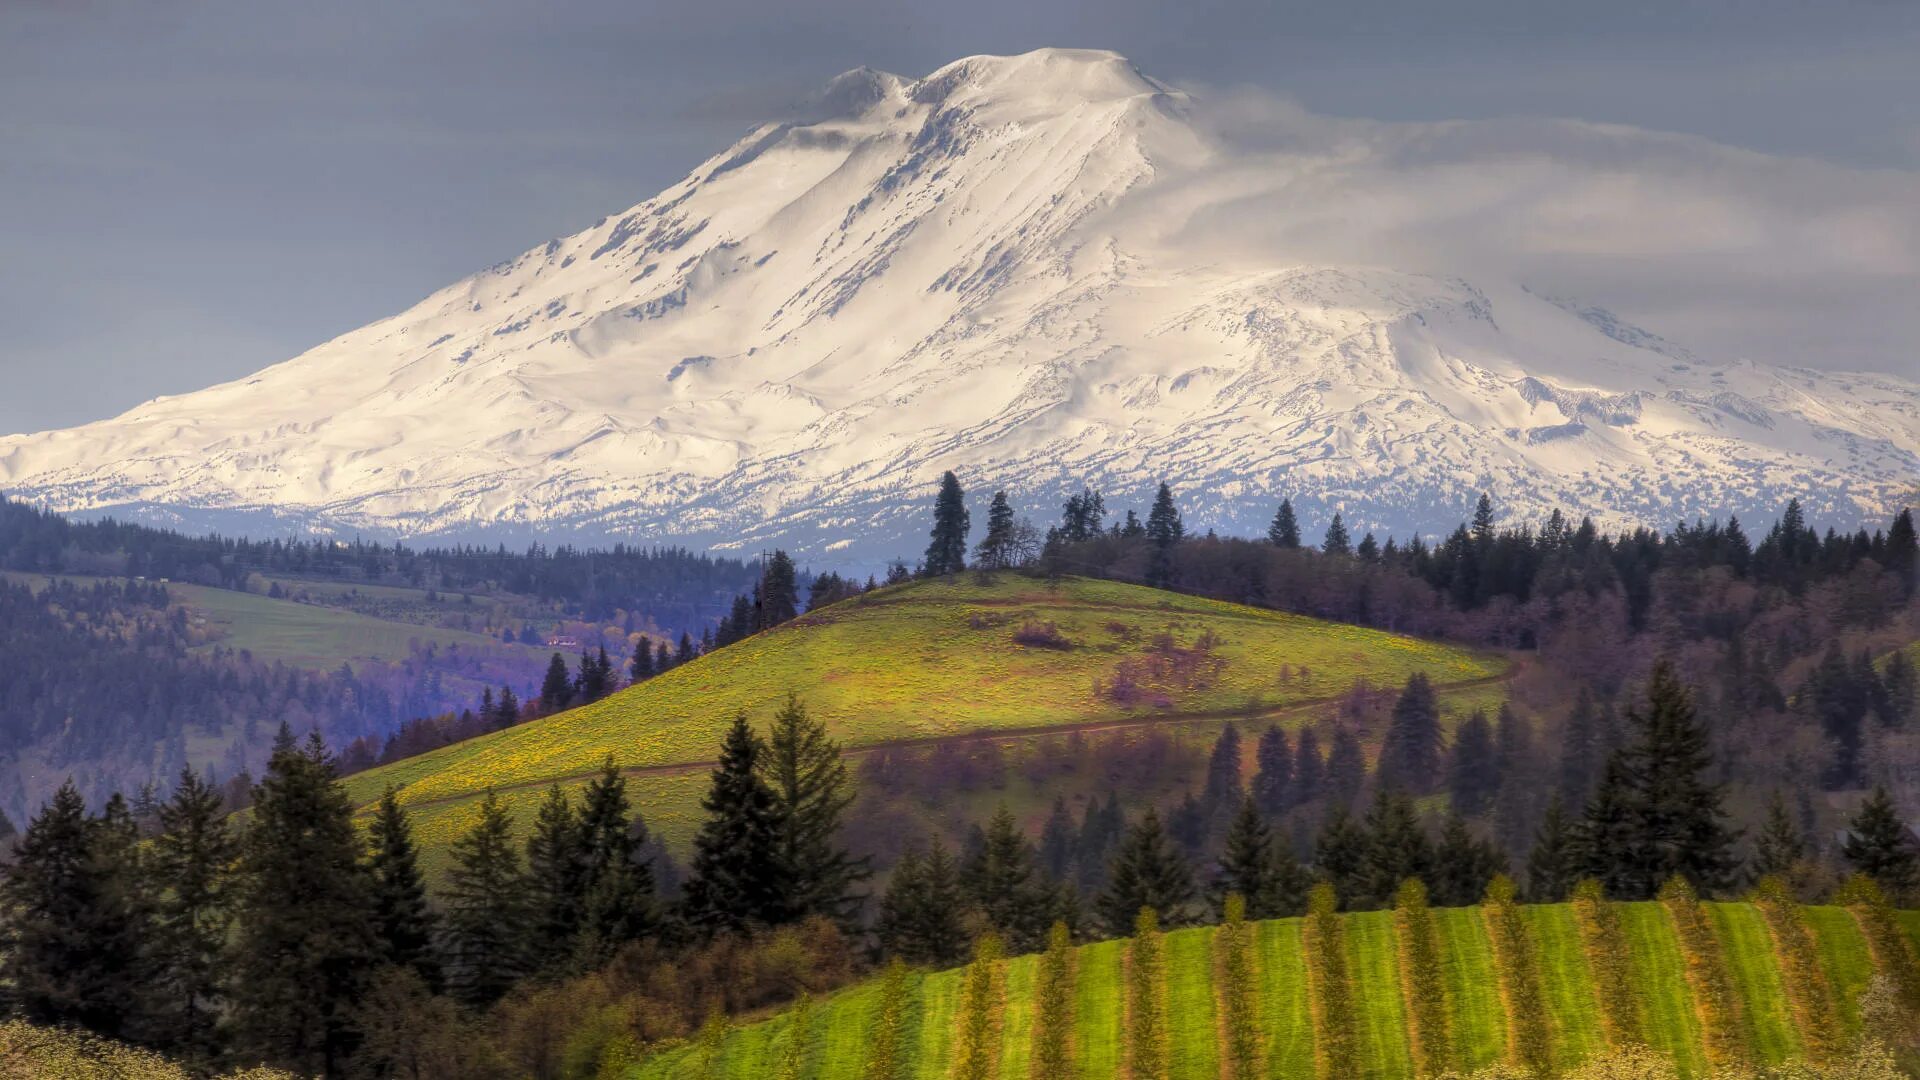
982 270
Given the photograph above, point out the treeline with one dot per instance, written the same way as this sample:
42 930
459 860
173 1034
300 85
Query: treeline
675 587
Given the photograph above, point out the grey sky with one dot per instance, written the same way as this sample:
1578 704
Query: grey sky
194 189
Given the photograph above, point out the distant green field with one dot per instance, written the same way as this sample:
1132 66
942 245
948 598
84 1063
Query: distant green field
1287 1038
932 659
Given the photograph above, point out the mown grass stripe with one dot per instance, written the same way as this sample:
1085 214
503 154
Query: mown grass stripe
845 1024
1845 959
1288 1018
1747 945
1380 1020
753 1051
1098 1037
939 998
1473 996
1566 984
1192 1029
1716 1001
1667 1018
1016 1023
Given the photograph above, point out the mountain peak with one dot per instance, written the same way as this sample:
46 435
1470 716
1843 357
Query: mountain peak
1053 77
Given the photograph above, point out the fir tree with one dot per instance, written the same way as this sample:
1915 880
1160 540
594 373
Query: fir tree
1285 530
1472 778
1309 768
737 879
1780 847
1582 751
779 591
1346 768
947 548
76 944
1551 866
1273 778
1397 849
403 922
1100 832
1246 867
1603 842
1516 808
192 875
1340 855
486 914
509 708
811 792
640 669
618 903
1879 845
556 690
1337 542
1057 842
1410 751
1164 530
305 943
995 551
1463 864
1147 873
556 880
999 879
1680 826
923 910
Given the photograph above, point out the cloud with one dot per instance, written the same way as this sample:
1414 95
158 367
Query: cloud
1735 253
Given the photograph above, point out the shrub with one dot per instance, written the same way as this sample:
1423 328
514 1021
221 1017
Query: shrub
1422 980
1721 1016
1053 1004
1147 1049
1041 635
1808 992
977 1044
36 1053
1529 1041
1328 992
1605 946
1239 991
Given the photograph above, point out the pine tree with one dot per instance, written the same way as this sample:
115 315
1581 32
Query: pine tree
1337 542
811 792
556 690
1603 841
999 879
1273 780
737 878
1780 847
1340 855
76 945
1551 866
509 708
947 549
779 591
305 944
192 875
1285 530
1680 826
486 912
403 922
1463 864
922 912
995 551
1397 849
1879 845
1410 751
1164 530
556 880
1472 778
618 903
1246 866
641 667
1147 873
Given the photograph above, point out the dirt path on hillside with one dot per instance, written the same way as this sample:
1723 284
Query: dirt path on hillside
990 735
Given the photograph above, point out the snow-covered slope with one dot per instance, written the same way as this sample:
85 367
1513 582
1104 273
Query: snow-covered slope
970 271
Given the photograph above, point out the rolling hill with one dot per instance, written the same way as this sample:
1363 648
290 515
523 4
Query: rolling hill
1285 1007
927 661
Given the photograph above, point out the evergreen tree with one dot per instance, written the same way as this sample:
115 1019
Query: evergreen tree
737 879
556 880
1472 778
1273 780
1340 855
486 913
1879 845
618 903
1247 867
947 549
509 708
1147 873
1285 530
996 549
1100 832
1346 769
1224 790
556 690
76 946
922 912
1057 842
1516 799
1309 768
1397 849
999 879
1780 847
811 792
1463 864
1164 530
192 875
1582 751
305 943
641 667
1337 542
779 591
1680 825
1603 842
1410 751
403 922
1551 865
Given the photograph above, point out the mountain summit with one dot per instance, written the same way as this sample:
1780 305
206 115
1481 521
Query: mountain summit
987 269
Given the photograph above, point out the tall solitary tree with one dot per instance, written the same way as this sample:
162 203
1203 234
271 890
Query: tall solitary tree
996 549
1285 530
403 922
1164 530
811 792
305 943
947 548
1337 541
779 592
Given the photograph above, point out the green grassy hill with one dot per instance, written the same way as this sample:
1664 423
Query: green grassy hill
923 661
835 1036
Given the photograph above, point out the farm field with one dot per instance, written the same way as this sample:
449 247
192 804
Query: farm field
1474 1011
929 660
